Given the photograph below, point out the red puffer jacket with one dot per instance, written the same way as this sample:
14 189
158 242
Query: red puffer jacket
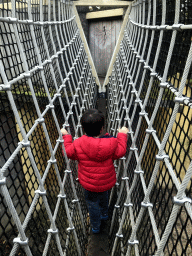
95 157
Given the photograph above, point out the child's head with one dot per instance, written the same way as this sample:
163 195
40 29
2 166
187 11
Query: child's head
92 122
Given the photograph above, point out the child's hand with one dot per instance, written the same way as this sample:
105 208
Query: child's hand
124 130
64 132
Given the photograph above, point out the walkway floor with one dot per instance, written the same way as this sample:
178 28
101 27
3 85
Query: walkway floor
98 244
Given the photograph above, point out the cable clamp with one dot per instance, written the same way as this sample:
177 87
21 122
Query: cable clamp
58 94
181 201
67 171
60 140
54 57
40 120
146 205
70 228
60 52
39 67
177 26
70 112
117 119
61 196
75 201
116 184
52 231
123 158
150 131
138 56
9 20
153 74
51 106
3 182
134 91
125 178
138 100
66 79
141 61
143 113
52 161
163 85
5 87
24 144
133 242
130 132
27 74
180 99
117 206
160 158
153 27
42 193
121 235
128 205
139 172
146 67
133 149
19 241
162 27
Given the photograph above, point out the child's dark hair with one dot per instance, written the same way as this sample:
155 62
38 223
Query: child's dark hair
92 122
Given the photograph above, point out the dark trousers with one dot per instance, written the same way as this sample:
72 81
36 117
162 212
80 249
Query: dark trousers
97 204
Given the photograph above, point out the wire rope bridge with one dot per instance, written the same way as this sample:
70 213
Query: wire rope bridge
47 79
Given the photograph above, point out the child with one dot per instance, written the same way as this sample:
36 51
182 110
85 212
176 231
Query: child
95 157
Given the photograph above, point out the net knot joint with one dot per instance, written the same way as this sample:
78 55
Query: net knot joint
42 193
5 87
146 205
119 235
180 99
160 158
133 149
19 241
25 144
61 196
125 178
69 229
139 172
181 201
128 205
133 242
52 161
52 231
3 181
149 131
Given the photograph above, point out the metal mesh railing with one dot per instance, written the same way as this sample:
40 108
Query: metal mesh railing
150 92
45 84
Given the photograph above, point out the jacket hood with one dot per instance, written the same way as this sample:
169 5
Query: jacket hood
98 149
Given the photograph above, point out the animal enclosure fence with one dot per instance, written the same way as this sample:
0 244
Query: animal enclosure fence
46 82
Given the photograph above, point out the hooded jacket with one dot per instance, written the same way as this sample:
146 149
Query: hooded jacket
96 171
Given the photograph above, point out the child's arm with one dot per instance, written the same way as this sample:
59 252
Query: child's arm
68 144
122 143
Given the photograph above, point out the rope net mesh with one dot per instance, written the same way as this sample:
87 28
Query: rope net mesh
46 82
149 91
